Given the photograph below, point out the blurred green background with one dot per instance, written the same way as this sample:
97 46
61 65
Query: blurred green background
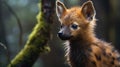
108 28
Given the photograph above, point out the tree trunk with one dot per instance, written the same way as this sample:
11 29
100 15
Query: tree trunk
38 39
115 20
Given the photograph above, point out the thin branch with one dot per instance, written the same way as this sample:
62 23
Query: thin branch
1 44
18 22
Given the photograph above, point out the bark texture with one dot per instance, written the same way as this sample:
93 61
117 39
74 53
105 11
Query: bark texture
39 37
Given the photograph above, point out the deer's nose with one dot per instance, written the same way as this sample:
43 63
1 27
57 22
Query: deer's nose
63 36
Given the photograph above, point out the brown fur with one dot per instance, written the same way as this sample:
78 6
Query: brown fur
84 49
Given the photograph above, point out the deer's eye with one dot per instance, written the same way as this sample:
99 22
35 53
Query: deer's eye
61 26
74 26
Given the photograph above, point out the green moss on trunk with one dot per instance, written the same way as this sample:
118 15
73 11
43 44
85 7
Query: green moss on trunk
36 44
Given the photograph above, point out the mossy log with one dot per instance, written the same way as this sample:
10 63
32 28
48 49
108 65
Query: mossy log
36 44
38 39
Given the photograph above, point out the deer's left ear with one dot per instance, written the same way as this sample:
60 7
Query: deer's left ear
60 8
88 10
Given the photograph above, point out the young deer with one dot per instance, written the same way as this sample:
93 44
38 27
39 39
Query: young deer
84 49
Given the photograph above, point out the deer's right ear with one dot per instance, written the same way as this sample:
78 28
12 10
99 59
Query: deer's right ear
60 8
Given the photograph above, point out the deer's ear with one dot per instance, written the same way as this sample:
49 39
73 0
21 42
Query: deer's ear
60 8
88 10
